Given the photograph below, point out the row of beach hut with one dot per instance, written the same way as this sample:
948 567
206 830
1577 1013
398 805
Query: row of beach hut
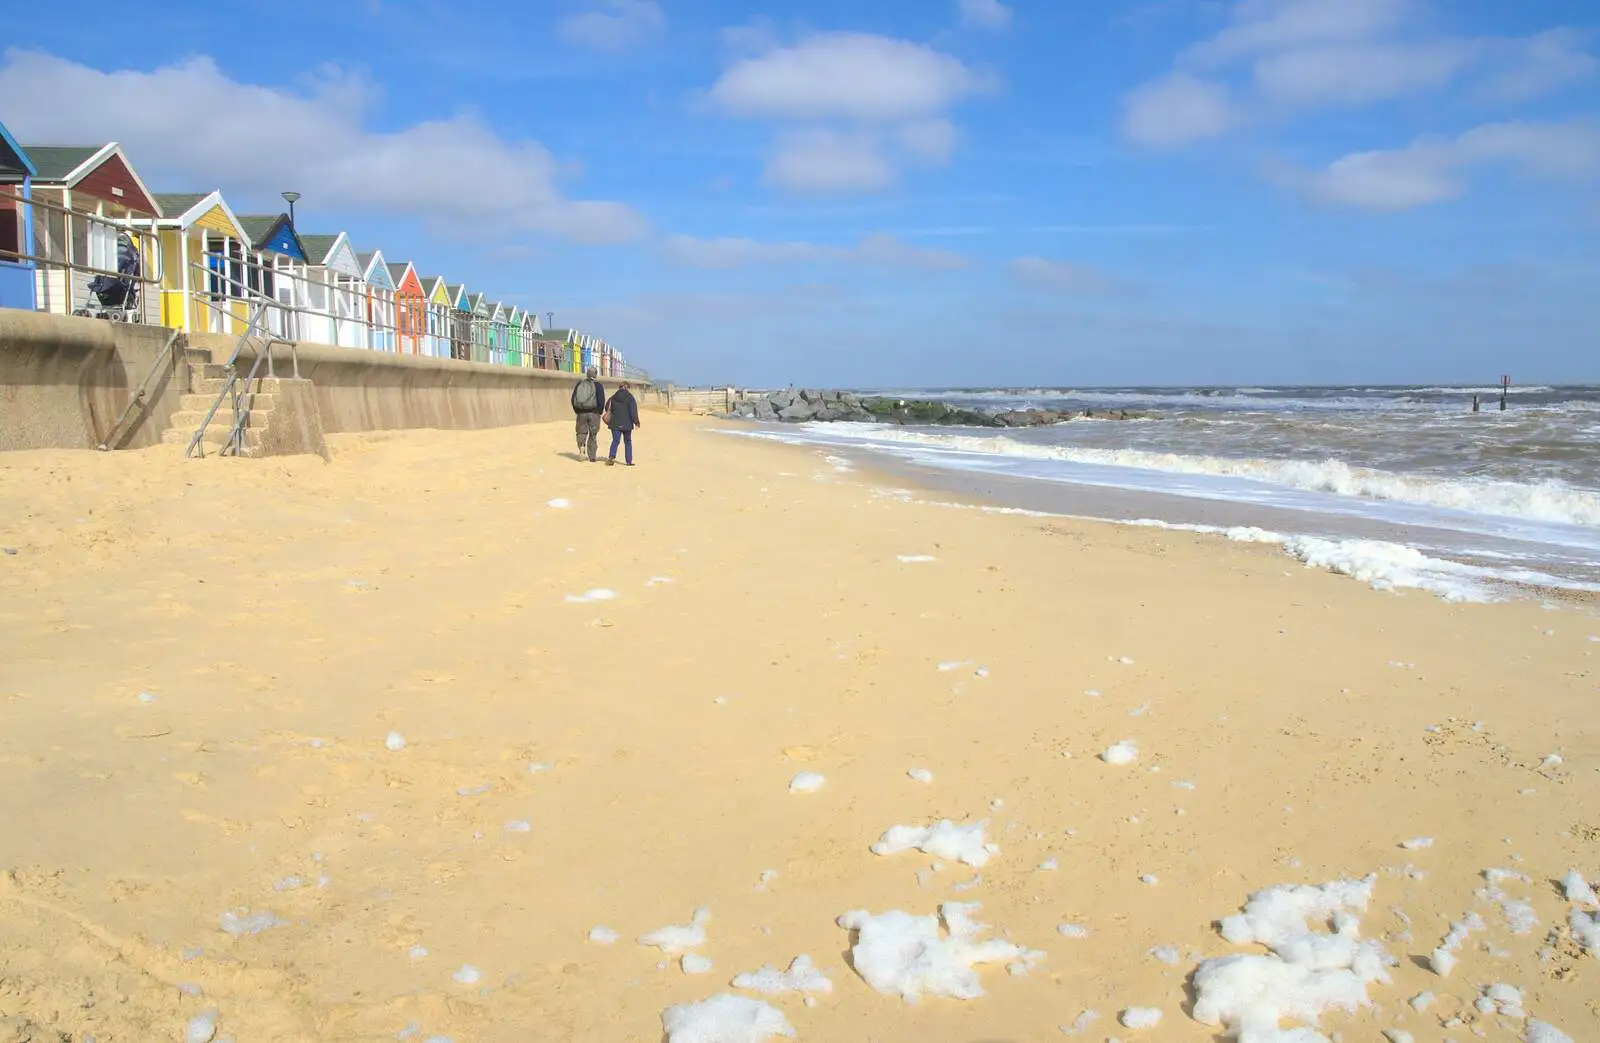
81 234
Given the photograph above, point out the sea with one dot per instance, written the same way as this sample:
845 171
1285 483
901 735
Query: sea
1401 487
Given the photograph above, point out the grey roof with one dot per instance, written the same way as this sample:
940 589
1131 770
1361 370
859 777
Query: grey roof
55 162
558 334
259 226
365 259
176 204
397 271
318 247
454 290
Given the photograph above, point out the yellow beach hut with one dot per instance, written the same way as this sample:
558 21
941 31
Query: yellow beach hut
203 284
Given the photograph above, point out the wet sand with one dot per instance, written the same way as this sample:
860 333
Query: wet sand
282 617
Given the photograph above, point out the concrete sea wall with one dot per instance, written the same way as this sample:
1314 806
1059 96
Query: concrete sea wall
65 380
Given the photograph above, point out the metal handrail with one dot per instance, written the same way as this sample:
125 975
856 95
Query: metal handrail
137 398
196 440
142 227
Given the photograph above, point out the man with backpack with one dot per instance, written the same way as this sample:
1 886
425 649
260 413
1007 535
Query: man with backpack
588 403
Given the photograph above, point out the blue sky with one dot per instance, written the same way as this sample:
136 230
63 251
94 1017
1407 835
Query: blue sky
909 192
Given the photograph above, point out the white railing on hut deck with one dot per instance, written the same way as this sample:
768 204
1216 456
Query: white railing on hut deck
74 252
70 248
304 304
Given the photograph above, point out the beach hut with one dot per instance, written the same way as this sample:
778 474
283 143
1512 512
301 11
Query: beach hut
479 309
16 224
440 308
513 336
530 337
567 345
93 180
378 307
335 291
497 340
278 268
461 324
410 308
203 285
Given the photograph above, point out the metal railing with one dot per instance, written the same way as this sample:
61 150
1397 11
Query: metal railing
302 302
242 399
72 249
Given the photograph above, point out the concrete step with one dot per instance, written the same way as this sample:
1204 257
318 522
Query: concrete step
186 419
261 402
213 440
214 385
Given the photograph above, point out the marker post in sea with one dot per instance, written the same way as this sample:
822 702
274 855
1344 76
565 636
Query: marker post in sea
1505 389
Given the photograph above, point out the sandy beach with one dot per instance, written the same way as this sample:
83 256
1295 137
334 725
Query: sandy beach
362 750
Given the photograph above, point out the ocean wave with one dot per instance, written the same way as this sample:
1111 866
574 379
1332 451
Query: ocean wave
1547 501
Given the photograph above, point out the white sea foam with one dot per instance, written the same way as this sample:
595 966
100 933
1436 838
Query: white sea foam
1124 752
676 939
692 963
467 974
1305 972
1578 890
243 923
943 839
907 956
600 934
1140 1017
806 782
915 559
1072 930
394 742
1548 501
922 775
560 504
202 1028
598 594
1543 1032
802 976
724 1019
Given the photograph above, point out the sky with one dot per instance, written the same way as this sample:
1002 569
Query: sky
907 192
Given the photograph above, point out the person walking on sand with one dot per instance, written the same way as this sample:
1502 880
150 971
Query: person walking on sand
588 404
622 416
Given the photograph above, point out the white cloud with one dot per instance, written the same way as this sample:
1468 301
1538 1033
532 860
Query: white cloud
1540 64
614 25
985 14
1279 57
1260 26
1176 110
825 161
1061 276
853 76
189 127
1433 170
1356 74
851 107
879 249
930 139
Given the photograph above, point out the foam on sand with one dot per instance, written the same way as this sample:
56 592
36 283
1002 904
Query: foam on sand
467 974
944 839
559 504
244 923
679 938
920 775
694 964
915 559
806 782
1577 890
1443 957
899 954
1124 752
394 742
1541 1032
1140 1017
725 1019
598 594
801 976
600 934
1305 972
202 1028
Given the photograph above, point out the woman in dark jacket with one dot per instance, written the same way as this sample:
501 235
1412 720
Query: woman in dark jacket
622 416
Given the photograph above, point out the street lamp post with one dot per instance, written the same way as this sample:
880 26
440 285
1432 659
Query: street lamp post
291 198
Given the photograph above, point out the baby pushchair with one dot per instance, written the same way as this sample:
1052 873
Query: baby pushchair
117 297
